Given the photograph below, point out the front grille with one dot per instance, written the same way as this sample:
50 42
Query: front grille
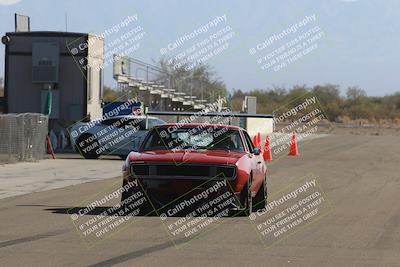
171 170
183 171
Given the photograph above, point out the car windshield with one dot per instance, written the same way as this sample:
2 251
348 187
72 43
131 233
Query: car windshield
200 138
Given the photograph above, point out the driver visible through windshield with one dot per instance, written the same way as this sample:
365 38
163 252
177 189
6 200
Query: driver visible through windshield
209 138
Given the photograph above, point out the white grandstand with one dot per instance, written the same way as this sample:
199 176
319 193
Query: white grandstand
154 92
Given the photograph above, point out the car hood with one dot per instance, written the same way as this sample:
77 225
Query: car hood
200 157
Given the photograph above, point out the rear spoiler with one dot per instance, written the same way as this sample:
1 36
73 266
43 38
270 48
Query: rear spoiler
205 114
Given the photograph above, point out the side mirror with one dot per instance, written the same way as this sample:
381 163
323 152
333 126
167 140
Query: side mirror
256 151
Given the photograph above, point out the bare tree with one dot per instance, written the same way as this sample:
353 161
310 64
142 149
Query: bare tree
199 80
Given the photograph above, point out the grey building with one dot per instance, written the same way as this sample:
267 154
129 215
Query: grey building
69 65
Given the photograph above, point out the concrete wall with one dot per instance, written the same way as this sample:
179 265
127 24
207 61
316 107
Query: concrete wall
263 125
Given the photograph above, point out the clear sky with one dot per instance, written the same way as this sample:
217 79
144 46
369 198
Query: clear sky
359 46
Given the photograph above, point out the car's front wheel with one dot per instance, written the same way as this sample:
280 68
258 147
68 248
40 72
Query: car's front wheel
247 200
260 200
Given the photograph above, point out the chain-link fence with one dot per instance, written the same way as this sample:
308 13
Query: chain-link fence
22 137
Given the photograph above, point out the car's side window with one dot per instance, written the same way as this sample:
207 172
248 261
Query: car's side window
248 141
237 140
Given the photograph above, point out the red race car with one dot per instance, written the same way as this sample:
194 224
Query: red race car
177 158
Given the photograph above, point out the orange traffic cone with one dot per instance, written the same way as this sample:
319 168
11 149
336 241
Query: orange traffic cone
267 150
259 142
293 146
255 141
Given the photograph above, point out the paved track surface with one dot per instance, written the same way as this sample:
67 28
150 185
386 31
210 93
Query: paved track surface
359 174
68 169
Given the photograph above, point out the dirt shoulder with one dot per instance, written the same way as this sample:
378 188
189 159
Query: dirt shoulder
353 129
